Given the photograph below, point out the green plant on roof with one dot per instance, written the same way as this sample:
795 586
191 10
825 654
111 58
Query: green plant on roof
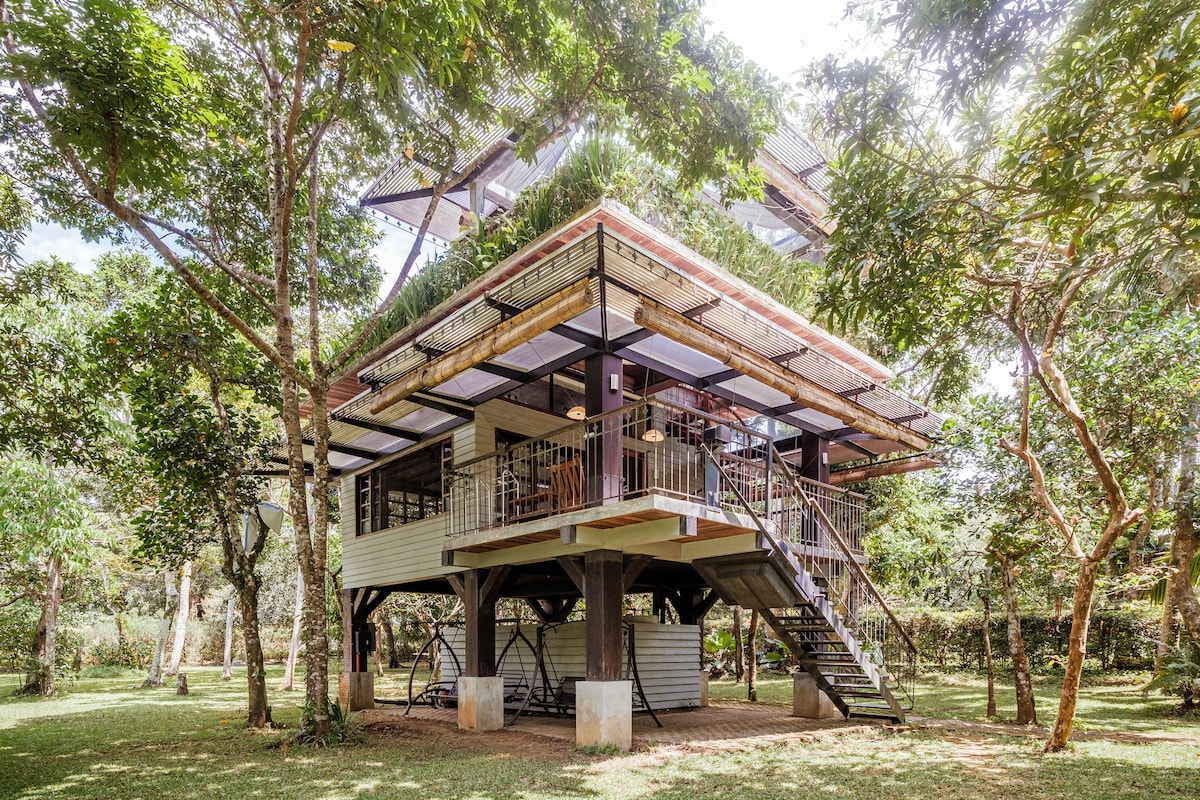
601 167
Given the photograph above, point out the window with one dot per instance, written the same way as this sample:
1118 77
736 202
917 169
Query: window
402 491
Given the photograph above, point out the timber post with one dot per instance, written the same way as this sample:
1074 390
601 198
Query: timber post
604 392
604 702
356 685
480 690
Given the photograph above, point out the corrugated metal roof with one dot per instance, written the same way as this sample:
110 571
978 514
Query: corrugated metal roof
800 156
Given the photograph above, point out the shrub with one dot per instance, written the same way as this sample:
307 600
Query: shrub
1180 676
1118 639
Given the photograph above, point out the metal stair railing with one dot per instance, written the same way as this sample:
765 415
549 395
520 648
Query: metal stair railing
848 587
811 655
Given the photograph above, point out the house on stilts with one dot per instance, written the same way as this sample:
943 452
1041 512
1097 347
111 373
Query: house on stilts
606 413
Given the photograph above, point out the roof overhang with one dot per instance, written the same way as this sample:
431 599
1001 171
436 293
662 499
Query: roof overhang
605 281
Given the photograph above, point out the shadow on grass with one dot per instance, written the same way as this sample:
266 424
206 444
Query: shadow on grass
121 743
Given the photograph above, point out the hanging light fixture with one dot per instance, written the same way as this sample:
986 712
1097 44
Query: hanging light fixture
652 434
576 412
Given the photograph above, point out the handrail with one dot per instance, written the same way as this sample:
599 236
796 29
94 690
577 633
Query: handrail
836 535
617 412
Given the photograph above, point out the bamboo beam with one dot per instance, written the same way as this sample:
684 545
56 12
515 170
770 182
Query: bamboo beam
536 319
673 325
896 467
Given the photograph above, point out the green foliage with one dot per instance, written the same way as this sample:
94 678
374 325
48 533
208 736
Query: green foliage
1179 675
52 402
99 87
14 217
916 540
43 514
200 402
719 652
1118 639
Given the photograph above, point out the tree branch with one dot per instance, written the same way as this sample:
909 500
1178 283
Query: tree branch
342 358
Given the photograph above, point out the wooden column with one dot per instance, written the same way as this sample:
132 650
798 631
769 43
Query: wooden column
603 592
479 589
603 372
691 604
358 635
814 457
814 465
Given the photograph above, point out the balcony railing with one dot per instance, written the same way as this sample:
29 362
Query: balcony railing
648 447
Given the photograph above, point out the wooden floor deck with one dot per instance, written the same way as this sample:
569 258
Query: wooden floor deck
710 523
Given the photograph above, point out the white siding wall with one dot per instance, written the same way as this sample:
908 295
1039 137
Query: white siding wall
668 658
410 552
414 551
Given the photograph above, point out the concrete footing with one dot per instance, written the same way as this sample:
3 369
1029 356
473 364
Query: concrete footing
356 690
481 703
604 714
704 688
809 701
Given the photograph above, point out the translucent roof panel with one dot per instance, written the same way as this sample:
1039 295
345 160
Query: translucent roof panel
537 352
660 350
470 384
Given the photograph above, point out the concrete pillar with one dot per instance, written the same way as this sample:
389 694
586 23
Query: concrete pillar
809 701
481 703
604 714
704 688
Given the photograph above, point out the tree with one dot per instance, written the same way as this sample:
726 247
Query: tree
1063 189
45 535
53 419
198 126
200 402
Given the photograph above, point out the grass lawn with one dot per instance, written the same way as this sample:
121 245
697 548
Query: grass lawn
107 739
1111 702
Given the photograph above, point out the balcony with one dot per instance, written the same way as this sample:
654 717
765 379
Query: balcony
645 461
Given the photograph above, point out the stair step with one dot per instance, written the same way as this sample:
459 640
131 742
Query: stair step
807 627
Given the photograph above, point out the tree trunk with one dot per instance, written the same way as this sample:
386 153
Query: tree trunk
44 652
1143 532
164 630
1081 618
1186 538
288 683
986 596
389 636
752 658
1023 682
227 662
181 620
739 647
258 714
378 654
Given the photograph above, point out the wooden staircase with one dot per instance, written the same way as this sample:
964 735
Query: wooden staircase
823 607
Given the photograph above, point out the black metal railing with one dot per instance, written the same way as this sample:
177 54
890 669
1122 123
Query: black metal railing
832 555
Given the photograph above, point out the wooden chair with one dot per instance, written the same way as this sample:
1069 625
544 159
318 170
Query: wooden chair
565 491
566 485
